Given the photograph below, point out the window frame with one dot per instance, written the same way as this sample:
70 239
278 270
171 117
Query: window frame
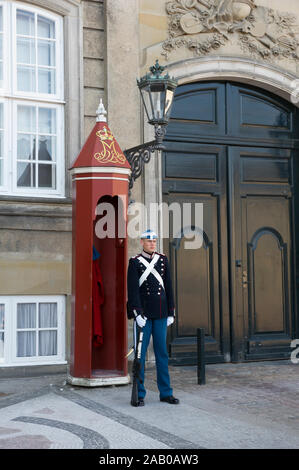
58 53
11 98
4 186
10 330
5 301
59 151
6 48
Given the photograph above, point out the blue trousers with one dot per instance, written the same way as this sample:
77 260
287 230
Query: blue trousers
158 329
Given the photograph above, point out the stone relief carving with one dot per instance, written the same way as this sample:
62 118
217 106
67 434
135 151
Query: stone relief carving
204 25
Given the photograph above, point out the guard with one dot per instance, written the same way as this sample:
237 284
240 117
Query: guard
151 304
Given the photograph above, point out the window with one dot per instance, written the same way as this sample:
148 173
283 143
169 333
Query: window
31 101
32 330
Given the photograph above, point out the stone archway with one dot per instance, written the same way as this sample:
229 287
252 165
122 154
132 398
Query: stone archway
261 74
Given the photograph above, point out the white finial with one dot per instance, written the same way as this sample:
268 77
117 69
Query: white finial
101 111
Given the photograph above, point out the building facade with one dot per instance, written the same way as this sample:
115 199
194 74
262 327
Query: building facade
231 145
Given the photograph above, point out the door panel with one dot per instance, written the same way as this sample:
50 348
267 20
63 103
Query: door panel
195 293
262 242
200 275
198 110
258 114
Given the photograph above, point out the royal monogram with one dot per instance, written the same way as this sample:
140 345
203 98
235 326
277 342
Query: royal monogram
109 154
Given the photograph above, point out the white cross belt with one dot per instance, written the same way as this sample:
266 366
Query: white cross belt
150 269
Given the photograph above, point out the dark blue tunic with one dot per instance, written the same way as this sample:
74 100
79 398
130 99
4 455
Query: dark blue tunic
150 299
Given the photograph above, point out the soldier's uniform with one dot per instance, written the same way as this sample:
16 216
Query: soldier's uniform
150 294
150 299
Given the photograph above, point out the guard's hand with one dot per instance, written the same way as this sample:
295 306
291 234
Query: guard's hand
141 321
170 320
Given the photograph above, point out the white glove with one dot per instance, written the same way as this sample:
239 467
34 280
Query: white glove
170 320
141 321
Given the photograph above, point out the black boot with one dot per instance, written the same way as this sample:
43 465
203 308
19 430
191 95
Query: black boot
172 400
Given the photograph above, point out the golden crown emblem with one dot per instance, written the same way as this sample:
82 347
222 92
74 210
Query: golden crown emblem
109 154
105 134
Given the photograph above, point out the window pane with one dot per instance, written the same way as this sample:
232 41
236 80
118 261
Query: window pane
25 23
1 116
47 148
26 119
47 345
26 316
45 27
26 78
26 175
45 176
46 53
1 345
46 121
26 344
2 306
26 147
46 81
47 315
26 51
1 144
1 48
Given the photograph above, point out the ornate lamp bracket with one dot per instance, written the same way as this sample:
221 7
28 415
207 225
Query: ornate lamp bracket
138 156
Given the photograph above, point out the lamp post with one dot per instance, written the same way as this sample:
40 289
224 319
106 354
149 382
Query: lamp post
157 94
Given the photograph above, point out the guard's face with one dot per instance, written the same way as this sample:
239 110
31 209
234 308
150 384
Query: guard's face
149 245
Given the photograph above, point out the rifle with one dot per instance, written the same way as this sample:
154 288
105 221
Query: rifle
136 366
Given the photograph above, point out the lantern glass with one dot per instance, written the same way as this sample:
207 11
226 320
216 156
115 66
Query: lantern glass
158 98
168 102
147 102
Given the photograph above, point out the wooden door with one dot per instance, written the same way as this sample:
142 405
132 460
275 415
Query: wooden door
261 247
233 147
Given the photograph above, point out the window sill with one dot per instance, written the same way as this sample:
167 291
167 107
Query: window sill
52 200
36 363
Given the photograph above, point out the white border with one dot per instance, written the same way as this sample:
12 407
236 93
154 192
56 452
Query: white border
99 178
102 169
10 338
58 53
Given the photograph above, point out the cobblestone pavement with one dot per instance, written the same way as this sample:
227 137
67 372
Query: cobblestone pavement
269 389
242 406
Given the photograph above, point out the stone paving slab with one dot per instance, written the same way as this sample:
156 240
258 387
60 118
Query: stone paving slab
242 406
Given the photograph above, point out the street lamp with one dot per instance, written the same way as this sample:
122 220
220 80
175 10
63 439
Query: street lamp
157 94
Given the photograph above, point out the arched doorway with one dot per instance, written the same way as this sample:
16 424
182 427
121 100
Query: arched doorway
233 148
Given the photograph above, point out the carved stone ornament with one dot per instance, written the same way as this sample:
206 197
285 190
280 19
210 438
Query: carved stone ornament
205 25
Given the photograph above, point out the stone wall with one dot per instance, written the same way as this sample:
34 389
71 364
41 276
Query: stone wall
94 53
